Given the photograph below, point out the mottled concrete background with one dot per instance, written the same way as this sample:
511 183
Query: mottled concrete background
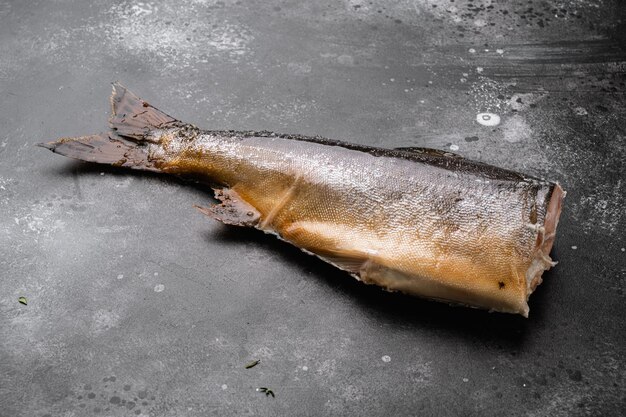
138 305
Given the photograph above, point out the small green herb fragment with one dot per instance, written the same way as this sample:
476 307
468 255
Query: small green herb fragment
252 364
267 391
22 300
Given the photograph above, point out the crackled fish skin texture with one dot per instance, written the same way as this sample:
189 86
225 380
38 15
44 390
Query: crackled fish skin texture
420 221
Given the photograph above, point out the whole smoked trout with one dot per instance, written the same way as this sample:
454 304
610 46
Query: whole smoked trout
420 221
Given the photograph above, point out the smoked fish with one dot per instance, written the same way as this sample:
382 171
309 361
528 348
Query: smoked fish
421 221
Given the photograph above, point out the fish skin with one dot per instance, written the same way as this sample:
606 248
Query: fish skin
421 221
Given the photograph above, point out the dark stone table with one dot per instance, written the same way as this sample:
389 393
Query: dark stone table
138 305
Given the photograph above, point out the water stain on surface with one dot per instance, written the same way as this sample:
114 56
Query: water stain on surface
113 392
488 119
575 375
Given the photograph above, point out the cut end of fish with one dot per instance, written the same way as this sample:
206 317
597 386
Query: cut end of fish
545 240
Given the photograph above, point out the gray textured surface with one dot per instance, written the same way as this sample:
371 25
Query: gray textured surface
140 306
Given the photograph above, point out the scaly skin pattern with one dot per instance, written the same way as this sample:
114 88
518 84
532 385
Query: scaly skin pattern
436 226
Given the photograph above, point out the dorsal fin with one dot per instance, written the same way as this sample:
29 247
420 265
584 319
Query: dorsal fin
133 117
428 151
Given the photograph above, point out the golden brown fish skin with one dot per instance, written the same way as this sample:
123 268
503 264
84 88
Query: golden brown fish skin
435 226
420 221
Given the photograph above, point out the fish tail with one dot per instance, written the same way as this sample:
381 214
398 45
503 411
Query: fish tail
127 144
104 148
133 117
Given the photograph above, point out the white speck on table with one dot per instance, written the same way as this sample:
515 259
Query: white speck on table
488 119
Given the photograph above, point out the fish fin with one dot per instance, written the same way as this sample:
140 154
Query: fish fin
133 117
232 210
104 148
428 151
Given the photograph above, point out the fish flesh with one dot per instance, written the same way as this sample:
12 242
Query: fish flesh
421 221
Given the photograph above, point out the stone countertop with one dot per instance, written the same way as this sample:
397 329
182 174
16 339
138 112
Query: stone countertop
140 306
